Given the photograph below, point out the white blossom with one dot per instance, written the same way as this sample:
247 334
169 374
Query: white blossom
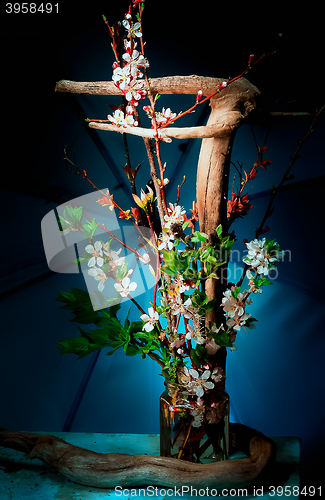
175 215
134 29
125 287
121 77
199 383
134 61
99 275
165 115
115 259
232 305
179 307
145 258
97 252
184 376
150 319
258 256
236 322
167 240
218 374
196 335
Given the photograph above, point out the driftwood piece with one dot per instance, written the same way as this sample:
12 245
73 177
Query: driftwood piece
109 470
165 85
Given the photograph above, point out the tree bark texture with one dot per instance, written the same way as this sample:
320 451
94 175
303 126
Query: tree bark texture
108 470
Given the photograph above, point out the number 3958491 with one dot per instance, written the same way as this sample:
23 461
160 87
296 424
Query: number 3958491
32 8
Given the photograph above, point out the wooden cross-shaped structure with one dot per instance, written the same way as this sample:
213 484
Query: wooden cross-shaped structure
234 105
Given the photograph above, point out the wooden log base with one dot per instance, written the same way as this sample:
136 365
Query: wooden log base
109 470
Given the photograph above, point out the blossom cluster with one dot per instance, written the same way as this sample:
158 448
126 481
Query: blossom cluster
105 263
262 254
127 76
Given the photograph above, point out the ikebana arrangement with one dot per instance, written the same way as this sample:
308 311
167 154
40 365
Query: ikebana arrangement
194 314
185 327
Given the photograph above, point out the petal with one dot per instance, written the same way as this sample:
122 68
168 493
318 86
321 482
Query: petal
89 249
133 286
118 287
101 287
206 375
194 373
126 282
98 245
145 317
199 391
100 261
92 262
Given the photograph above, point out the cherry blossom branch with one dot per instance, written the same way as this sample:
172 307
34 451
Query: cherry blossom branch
179 188
112 33
136 304
220 87
162 170
103 227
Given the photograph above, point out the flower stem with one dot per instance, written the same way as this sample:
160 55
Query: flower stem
181 450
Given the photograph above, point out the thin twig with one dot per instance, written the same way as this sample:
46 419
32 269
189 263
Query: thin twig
179 188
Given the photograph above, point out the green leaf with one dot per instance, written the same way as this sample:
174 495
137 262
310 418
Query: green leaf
99 336
73 345
109 353
86 317
113 310
263 281
219 230
169 271
132 350
136 326
127 321
198 237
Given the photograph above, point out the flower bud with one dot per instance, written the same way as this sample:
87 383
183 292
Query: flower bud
199 95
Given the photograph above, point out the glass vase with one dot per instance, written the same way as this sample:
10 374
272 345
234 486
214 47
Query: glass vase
192 430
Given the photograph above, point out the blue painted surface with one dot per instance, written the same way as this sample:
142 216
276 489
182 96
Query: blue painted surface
33 480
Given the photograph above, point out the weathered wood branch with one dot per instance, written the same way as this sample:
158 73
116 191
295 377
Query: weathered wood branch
175 85
108 470
217 130
165 85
